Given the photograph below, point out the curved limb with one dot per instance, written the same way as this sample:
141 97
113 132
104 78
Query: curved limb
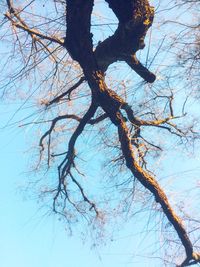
149 182
135 18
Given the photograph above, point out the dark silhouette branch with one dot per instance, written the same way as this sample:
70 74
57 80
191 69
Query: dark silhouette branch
152 185
67 93
65 166
135 18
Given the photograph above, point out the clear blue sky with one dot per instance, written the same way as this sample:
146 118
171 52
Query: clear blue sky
30 238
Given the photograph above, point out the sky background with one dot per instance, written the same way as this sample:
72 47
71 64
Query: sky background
31 237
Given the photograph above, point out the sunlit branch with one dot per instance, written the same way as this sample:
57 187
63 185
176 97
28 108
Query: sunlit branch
20 23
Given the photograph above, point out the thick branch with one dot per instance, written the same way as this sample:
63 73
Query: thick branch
78 37
65 166
152 185
140 69
135 18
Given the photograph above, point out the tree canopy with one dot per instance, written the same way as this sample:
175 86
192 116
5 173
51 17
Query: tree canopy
113 80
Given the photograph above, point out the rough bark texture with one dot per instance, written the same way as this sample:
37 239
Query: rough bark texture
152 185
135 18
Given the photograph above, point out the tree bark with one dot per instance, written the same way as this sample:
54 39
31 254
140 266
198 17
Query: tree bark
135 18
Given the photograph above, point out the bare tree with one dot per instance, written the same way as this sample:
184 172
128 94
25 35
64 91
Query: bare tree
79 97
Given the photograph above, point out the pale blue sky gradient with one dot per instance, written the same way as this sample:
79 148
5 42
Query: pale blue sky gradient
31 238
